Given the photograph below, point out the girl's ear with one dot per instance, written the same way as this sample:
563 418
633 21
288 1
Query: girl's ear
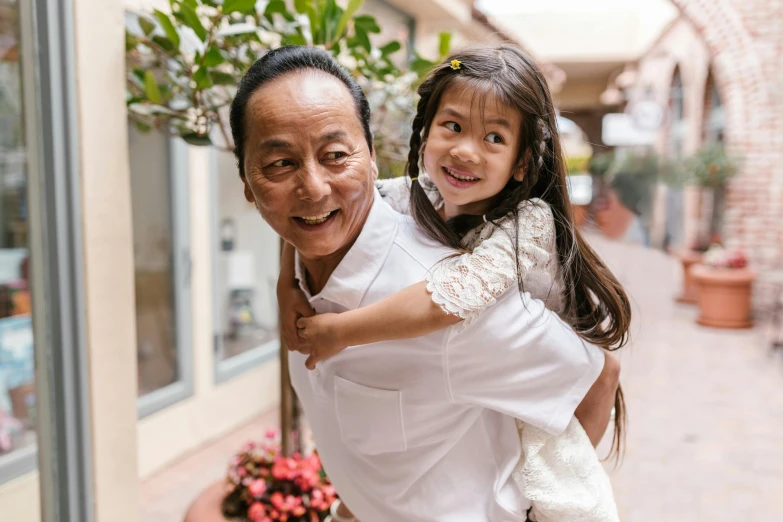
521 169
421 155
519 172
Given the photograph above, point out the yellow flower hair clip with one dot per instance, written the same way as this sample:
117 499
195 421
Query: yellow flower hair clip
456 64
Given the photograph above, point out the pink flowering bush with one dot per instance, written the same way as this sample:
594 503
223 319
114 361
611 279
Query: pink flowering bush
719 257
265 486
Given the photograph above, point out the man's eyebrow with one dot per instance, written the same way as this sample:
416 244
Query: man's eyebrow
332 136
275 143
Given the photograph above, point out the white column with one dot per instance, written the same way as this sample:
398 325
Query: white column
108 256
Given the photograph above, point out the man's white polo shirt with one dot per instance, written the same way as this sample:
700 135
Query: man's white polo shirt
423 429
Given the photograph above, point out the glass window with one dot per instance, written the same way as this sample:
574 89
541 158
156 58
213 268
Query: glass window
677 97
159 195
246 266
713 111
160 203
677 122
152 256
17 382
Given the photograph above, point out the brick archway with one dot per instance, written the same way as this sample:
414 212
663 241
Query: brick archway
738 70
735 35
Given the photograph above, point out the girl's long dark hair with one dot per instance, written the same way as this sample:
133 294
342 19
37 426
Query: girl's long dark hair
596 305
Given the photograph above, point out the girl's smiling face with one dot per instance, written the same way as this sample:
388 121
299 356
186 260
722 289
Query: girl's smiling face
471 149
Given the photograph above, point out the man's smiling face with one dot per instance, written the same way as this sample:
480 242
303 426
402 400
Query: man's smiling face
307 165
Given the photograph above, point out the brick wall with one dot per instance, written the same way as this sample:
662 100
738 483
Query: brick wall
739 42
680 49
745 41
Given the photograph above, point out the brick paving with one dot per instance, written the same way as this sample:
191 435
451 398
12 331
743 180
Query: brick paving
166 495
705 433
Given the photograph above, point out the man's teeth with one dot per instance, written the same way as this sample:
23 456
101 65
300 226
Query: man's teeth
316 220
460 177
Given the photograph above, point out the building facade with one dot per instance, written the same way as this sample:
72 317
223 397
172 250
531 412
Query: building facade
716 71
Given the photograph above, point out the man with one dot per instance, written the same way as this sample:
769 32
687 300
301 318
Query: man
416 430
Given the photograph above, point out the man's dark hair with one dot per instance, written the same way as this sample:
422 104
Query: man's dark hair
277 63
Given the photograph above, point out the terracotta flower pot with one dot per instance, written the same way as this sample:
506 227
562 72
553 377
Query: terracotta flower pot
724 296
206 507
690 290
580 215
612 218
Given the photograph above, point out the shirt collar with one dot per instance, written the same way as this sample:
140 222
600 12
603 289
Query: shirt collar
361 265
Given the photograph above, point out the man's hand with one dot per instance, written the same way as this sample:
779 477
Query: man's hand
293 306
596 408
320 337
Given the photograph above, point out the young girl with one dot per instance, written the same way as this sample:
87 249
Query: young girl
494 188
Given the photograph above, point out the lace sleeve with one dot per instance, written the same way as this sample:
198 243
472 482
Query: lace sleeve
396 192
562 476
502 254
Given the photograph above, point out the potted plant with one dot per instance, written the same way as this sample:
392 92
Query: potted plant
263 485
674 172
600 164
725 286
630 183
579 187
690 290
710 168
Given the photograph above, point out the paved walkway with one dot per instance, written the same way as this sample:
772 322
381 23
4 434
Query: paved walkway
166 496
705 433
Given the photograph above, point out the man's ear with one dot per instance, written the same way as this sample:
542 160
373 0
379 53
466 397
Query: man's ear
373 164
248 193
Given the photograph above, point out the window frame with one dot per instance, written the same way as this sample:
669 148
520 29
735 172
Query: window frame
411 23
181 269
714 122
677 115
63 448
227 369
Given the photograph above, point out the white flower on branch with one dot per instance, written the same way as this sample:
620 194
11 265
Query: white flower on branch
190 43
234 29
347 61
206 11
270 39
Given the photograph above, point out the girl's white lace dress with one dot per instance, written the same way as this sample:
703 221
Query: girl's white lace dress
561 475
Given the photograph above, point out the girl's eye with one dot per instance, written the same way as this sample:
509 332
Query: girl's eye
494 137
281 163
452 126
334 155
